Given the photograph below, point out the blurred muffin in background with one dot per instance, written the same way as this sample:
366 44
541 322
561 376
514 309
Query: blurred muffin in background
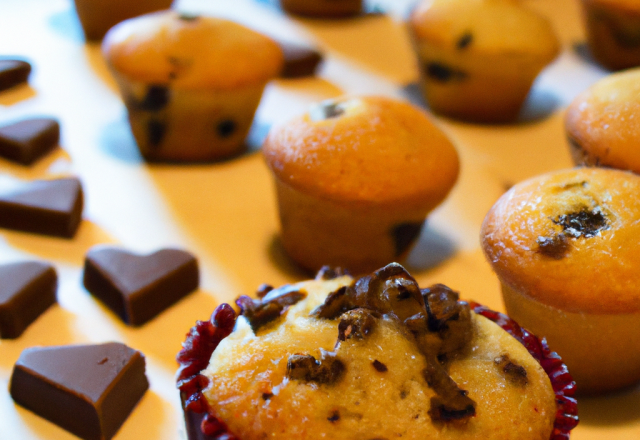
191 83
479 58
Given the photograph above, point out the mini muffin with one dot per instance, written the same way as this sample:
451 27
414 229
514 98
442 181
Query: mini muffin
566 247
323 8
478 59
329 358
613 32
355 178
191 84
98 16
602 123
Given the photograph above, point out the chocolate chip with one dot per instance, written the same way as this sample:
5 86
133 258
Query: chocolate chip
156 99
27 289
555 247
263 290
13 72
439 412
379 366
326 110
465 40
68 386
516 374
334 417
404 235
226 128
267 396
155 132
139 287
299 61
49 207
28 140
584 223
304 367
356 323
266 309
443 73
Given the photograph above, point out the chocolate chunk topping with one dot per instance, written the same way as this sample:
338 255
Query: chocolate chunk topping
226 128
264 310
139 287
155 132
27 289
49 207
439 323
330 273
443 73
379 366
555 247
13 72
326 110
304 367
465 40
72 387
299 61
584 223
263 290
516 374
334 417
404 235
356 323
156 99
27 140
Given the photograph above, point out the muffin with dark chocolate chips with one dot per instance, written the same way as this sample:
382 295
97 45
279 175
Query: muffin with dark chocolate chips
329 358
355 179
479 59
602 125
191 83
566 247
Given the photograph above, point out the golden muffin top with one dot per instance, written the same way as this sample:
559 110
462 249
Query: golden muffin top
604 121
191 51
308 374
364 149
485 26
570 239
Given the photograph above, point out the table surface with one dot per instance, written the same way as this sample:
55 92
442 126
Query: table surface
225 213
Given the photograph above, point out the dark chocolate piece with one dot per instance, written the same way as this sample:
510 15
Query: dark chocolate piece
334 417
28 140
27 289
356 323
465 40
13 72
326 110
89 390
516 374
226 128
306 368
404 235
156 99
155 132
379 366
443 73
555 247
299 60
584 223
49 207
270 306
138 287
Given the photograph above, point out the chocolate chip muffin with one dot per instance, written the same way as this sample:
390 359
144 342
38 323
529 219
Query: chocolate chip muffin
602 124
191 84
565 247
613 32
479 59
355 179
329 358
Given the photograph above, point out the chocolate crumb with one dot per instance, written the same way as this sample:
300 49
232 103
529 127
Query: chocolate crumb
584 223
404 394
555 247
304 367
226 128
334 417
465 40
404 235
379 366
267 396
516 374
443 73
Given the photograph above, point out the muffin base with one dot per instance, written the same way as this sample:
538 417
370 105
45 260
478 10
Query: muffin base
602 351
358 237
189 125
613 35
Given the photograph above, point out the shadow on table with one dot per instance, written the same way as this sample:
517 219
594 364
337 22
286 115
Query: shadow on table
614 409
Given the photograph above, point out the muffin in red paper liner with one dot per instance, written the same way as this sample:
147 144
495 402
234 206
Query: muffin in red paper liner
328 358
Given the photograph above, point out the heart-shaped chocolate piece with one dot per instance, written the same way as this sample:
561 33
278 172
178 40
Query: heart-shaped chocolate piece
27 140
89 390
49 207
27 289
13 72
139 287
